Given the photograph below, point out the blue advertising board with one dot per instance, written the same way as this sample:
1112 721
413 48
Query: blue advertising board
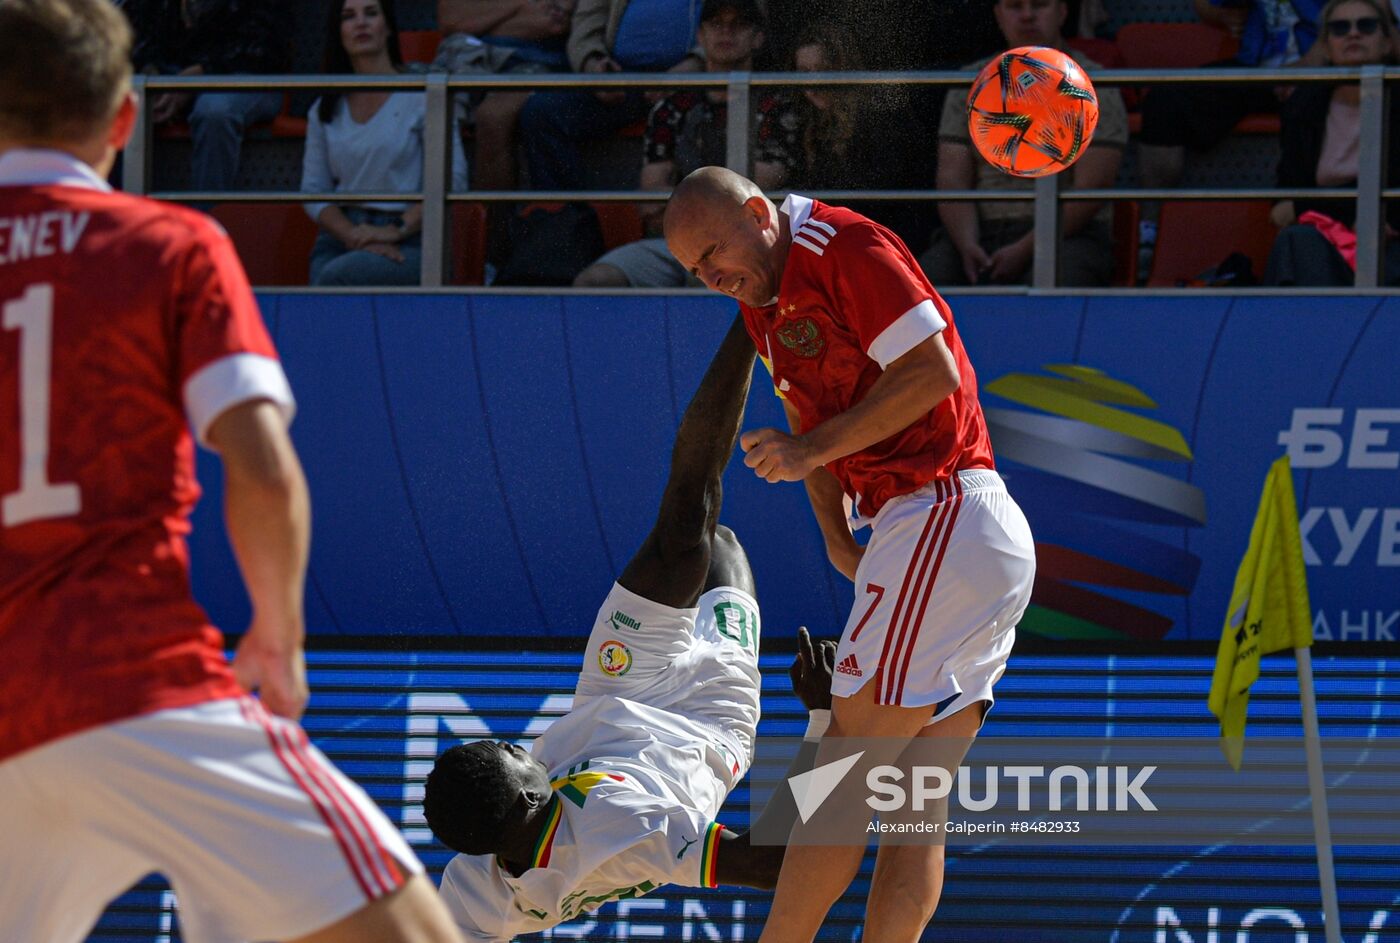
485 465
383 717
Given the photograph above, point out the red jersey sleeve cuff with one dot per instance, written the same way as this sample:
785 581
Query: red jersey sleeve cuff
910 329
232 380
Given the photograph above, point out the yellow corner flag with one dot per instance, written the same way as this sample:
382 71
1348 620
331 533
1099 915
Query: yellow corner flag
1269 609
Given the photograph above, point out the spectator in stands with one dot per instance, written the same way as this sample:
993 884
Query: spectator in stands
982 243
370 141
605 36
493 36
1272 33
1320 141
686 131
855 138
212 37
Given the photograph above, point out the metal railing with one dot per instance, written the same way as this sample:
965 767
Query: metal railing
1046 194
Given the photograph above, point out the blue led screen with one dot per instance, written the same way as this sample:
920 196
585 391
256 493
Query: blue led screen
383 717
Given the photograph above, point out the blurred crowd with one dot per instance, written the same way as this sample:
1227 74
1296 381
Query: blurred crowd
808 139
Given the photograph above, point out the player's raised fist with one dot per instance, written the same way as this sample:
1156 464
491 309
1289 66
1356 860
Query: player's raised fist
776 456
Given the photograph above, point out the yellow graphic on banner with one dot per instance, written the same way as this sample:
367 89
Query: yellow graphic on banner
1077 398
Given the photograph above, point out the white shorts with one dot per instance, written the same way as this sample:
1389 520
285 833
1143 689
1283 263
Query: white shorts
700 663
260 836
946 576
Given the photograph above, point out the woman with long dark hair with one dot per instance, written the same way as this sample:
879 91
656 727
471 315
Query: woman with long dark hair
854 138
367 141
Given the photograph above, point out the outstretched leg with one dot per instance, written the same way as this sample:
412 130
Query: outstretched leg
673 565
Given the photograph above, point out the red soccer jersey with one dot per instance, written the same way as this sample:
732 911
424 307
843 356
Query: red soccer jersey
120 316
853 299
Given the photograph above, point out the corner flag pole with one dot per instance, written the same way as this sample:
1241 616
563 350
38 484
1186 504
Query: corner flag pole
1269 612
1317 789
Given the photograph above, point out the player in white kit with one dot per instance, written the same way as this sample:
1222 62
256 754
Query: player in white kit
619 796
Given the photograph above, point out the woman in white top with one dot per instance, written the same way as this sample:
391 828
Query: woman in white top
364 142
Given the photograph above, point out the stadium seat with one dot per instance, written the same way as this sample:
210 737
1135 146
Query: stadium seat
1107 54
273 239
1194 236
1125 243
1103 51
468 247
284 125
1173 45
419 45
620 222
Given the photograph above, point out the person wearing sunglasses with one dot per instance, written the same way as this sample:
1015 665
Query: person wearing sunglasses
1319 143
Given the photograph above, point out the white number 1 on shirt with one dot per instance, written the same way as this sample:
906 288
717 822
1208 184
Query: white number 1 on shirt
37 497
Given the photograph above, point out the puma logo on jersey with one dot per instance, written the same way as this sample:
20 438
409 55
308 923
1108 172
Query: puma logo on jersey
814 234
848 666
620 620
686 847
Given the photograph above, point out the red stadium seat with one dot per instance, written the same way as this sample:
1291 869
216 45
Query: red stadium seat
468 246
1183 46
1125 243
1107 54
273 239
284 125
1173 45
1194 236
1103 51
419 45
620 222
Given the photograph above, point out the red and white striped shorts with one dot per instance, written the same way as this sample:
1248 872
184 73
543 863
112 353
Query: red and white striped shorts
946 576
260 836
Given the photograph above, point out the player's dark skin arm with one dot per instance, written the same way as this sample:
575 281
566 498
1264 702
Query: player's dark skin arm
740 861
674 560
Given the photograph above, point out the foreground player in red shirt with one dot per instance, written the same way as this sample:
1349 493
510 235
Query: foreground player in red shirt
127 743
886 432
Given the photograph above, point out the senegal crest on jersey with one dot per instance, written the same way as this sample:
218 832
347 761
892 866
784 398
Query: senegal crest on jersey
614 658
802 337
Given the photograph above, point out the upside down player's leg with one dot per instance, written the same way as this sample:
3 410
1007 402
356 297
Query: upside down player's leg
683 607
673 563
682 556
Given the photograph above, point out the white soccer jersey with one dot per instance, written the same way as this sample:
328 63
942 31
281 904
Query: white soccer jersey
638 790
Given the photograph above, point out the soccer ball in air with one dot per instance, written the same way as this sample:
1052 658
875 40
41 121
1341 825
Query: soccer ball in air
1032 111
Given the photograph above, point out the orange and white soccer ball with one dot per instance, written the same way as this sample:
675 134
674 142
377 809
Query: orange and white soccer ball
1032 111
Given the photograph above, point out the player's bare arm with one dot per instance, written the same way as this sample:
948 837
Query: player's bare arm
910 386
269 524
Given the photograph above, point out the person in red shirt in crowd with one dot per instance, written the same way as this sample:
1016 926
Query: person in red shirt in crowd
128 744
886 432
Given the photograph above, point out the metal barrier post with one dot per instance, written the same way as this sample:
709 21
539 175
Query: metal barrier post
437 163
1371 157
1047 231
736 153
136 158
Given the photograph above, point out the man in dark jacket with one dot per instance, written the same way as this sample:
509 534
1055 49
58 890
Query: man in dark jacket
210 37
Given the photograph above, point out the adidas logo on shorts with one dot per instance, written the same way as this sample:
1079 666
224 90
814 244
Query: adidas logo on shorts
848 666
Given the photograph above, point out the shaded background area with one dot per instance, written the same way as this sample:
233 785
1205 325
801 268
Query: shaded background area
484 465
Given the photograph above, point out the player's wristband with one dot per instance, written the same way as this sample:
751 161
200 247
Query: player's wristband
817 722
